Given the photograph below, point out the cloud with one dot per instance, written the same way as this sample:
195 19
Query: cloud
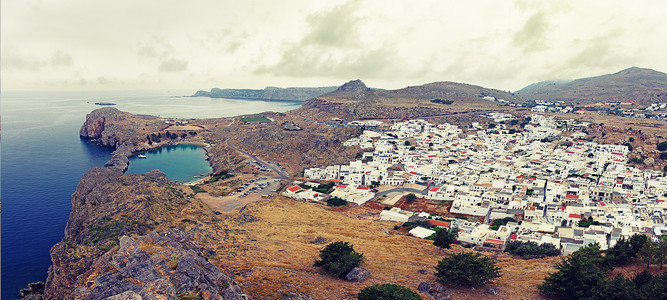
533 34
332 48
600 52
102 80
14 60
173 65
224 40
147 52
61 59
311 62
337 27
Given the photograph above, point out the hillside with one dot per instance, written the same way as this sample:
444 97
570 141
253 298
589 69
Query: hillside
638 85
354 100
269 93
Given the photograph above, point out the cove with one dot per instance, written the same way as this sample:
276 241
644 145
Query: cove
181 163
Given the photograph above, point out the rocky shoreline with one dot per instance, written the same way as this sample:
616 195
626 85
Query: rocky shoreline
125 237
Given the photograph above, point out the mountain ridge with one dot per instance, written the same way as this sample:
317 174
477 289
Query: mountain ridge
642 86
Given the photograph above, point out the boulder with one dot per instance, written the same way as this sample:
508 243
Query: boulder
492 291
424 287
358 274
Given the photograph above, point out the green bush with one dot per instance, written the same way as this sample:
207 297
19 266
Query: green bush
339 258
409 198
662 146
500 222
335 201
197 189
528 250
440 101
443 238
387 291
468 269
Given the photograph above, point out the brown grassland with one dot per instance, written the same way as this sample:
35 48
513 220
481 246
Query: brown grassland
275 253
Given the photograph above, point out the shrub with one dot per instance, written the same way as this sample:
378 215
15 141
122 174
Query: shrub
662 146
409 198
339 258
469 269
443 238
529 250
500 222
335 201
197 189
440 101
387 291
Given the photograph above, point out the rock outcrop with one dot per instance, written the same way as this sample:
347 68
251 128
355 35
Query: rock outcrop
164 265
99 258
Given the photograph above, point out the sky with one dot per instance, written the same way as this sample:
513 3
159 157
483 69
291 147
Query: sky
168 44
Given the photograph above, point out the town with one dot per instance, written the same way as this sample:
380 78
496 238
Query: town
545 183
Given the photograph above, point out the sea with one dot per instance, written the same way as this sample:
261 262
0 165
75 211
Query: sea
43 158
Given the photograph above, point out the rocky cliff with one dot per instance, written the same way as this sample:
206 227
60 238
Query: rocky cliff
110 127
134 236
101 255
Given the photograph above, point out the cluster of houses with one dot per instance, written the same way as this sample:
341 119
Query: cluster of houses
558 187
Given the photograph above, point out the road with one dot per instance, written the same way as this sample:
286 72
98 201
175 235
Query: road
282 174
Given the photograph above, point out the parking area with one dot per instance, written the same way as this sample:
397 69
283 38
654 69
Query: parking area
261 188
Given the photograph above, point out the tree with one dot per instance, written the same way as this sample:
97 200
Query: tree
648 253
662 146
492 125
663 155
578 276
617 288
387 291
339 258
409 198
468 269
500 222
443 238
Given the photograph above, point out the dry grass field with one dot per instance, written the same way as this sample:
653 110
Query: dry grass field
275 248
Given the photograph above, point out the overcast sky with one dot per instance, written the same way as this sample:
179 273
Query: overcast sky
165 44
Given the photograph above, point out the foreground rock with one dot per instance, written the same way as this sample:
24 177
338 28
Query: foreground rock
98 257
358 274
163 265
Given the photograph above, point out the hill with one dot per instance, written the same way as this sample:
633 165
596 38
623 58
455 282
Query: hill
639 85
354 100
268 93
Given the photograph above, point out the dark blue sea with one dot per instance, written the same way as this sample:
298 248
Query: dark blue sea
43 159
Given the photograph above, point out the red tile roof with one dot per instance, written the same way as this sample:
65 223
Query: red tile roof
494 241
575 216
439 223
294 189
572 196
435 189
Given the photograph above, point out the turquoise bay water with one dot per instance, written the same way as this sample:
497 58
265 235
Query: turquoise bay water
43 159
181 162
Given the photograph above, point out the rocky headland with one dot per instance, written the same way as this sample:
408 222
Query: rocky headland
267 94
